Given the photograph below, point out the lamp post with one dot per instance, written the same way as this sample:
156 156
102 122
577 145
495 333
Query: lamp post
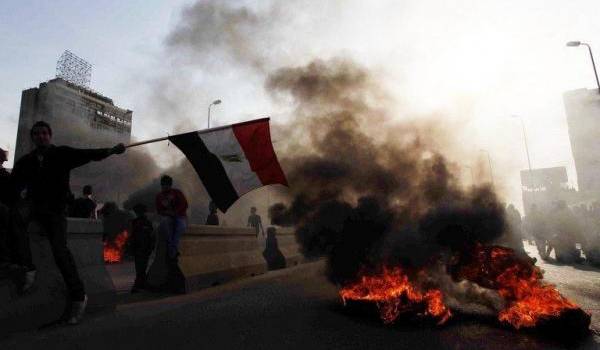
531 178
215 102
525 140
490 164
579 43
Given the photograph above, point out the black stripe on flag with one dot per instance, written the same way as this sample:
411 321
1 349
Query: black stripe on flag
208 167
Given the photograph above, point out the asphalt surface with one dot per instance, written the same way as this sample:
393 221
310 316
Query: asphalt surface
293 309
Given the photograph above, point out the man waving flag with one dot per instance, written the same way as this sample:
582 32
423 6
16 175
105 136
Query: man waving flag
232 160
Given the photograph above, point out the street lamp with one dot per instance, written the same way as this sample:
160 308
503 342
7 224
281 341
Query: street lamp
525 139
490 164
215 102
579 43
531 178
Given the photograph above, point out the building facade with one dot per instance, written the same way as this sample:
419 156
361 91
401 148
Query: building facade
544 187
80 118
582 108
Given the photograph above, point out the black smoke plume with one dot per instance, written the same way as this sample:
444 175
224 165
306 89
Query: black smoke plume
366 190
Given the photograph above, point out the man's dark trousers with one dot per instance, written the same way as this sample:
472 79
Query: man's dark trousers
54 225
4 233
142 248
141 265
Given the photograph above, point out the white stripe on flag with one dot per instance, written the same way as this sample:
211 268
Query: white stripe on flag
226 147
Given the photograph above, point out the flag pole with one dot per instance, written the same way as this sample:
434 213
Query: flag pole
147 141
199 131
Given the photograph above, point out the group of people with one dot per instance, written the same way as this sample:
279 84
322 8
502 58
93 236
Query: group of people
573 234
171 205
38 189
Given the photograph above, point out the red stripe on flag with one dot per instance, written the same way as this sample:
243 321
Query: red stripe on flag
255 140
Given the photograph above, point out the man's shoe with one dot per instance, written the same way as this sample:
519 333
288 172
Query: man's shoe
77 311
28 281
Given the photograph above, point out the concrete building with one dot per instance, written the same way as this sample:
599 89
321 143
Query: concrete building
80 118
545 186
582 107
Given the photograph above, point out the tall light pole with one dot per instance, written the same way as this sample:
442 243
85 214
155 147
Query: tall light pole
525 140
579 43
215 102
490 164
531 178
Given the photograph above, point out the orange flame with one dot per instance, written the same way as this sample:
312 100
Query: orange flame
393 293
113 251
519 282
531 299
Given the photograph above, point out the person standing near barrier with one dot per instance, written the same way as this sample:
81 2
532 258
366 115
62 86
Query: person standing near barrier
41 183
537 227
515 231
566 234
255 222
212 219
85 207
142 241
171 205
5 190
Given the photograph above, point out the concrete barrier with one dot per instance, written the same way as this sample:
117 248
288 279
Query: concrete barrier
46 302
211 255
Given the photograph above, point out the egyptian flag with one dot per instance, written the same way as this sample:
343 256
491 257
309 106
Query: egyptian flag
232 160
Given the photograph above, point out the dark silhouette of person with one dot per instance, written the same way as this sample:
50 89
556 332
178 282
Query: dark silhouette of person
212 218
172 206
41 180
255 222
114 221
142 243
272 254
85 207
536 225
514 234
5 190
592 244
566 232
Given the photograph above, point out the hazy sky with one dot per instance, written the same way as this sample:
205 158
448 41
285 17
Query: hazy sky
472 62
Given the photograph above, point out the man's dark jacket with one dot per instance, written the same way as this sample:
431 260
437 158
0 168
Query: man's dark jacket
5 187
83 208
45 174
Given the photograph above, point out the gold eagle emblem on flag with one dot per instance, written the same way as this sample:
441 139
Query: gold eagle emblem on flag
231 158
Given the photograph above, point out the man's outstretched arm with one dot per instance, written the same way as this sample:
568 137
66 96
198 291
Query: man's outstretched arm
76 157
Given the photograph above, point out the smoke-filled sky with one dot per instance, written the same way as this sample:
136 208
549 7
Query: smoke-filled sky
467 64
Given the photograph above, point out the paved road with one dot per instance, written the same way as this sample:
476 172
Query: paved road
291 309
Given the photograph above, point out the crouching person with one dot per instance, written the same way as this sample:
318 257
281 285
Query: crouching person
172 205
142 241
41 180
